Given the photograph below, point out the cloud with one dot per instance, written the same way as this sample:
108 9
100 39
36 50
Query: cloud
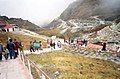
36 11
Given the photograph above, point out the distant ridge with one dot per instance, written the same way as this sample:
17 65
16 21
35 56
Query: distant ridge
82 9
25 24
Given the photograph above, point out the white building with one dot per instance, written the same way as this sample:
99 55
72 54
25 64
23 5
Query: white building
6 27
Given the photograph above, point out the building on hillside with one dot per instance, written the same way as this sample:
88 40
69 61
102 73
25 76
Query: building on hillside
2 25
6 27
16 28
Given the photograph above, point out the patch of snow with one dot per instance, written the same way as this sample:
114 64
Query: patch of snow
75 29
63 25
63 31
29 32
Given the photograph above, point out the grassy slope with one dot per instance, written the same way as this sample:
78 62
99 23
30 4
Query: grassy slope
74 66
49 32
25 39
21 23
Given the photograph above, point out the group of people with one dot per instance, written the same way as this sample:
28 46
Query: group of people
10 49
35 45
78 42
82 42
53 44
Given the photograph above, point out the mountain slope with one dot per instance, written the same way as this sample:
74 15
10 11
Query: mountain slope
21 23
82 9
87 17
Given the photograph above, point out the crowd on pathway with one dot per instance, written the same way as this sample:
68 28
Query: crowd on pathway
37 45
79 42
10 49
12 46
53 44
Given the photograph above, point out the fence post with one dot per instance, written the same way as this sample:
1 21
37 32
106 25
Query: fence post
29 63
43 76
29 68
23 59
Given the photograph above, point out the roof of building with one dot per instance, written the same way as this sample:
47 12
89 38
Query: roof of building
2 22
5 24
8 26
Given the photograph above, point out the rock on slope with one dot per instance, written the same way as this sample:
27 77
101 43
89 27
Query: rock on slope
87 16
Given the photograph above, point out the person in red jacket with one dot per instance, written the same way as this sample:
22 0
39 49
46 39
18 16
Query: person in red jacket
17 45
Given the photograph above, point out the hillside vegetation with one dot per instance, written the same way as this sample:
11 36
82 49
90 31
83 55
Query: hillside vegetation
50 32
25 24
23 38
65 65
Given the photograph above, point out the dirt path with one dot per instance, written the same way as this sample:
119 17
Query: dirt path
45 50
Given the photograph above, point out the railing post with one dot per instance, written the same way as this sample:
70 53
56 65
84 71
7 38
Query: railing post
29 63
43 76
23 59
29 68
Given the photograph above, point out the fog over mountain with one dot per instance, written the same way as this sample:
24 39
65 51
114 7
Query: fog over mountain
81 9
36 11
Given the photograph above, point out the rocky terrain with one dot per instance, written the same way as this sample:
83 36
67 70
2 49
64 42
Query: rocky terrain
82 9
89 19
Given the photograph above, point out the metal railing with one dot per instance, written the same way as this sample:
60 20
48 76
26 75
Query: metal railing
29 64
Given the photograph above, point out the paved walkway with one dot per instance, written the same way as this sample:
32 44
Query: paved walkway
13 69
42 51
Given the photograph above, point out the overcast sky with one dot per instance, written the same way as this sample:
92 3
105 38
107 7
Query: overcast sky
36 11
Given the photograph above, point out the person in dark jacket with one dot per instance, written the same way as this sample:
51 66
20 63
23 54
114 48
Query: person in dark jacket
31 47
11 48
104 46
1 50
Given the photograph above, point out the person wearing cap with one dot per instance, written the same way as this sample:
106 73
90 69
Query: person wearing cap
1 50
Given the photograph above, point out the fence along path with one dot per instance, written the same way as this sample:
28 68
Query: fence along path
27 62
20 68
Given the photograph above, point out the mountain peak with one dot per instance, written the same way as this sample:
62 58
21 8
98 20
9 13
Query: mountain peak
82 9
